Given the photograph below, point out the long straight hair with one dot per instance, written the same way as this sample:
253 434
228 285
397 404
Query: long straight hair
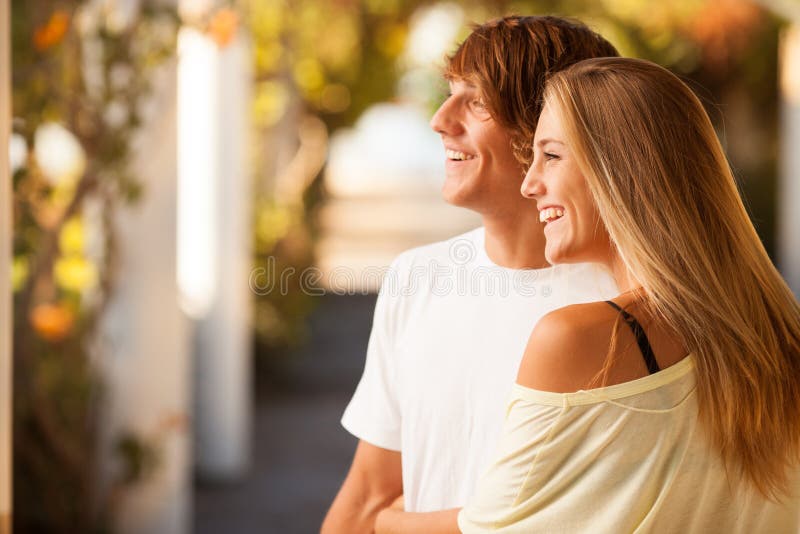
667 196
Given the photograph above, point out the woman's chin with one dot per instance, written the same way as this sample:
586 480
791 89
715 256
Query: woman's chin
555 255
551 258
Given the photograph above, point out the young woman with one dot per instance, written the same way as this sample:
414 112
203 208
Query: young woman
675 407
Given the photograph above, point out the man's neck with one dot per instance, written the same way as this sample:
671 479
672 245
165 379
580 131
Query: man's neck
515 242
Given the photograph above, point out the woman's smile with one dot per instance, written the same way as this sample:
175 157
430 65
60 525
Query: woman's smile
550 214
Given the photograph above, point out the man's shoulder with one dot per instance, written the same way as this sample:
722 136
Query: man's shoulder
458 249
414 269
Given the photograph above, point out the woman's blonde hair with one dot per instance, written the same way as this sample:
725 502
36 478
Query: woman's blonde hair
666 194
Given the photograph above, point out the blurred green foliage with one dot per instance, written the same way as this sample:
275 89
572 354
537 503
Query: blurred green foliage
323 60
80 73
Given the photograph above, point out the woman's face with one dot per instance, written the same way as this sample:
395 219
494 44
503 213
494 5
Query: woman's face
573 227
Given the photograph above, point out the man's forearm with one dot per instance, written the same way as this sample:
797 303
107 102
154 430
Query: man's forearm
351 514
392 521
374 481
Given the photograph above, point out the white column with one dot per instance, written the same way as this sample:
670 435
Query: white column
148 370
789 178
5 274
214 245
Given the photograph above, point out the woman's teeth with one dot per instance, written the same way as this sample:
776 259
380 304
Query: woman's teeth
550 214
453 154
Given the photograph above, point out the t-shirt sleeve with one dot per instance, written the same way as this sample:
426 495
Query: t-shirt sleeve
505 494
373 414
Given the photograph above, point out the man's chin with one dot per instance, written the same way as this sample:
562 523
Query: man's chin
453 200
456 196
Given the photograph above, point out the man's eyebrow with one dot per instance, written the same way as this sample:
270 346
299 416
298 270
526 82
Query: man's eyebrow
467 83
542 142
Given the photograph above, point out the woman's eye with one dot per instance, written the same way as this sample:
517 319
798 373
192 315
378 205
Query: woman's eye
479 103
549 155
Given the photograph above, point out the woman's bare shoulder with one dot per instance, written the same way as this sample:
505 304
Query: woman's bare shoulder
567 348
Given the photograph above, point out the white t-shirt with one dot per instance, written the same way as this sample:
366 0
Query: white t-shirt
631 457
449 331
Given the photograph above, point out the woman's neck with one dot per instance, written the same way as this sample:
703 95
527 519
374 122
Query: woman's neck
624 278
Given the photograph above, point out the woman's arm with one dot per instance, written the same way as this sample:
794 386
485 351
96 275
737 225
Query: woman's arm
553 361
515 485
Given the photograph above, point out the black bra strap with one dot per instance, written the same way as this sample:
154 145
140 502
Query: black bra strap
641 338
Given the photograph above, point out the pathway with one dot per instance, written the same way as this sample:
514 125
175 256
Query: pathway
300 452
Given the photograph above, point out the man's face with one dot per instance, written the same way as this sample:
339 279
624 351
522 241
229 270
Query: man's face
481 171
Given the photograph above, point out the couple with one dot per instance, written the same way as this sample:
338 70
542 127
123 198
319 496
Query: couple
659 390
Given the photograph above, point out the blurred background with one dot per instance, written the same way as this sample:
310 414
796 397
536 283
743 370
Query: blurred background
206 195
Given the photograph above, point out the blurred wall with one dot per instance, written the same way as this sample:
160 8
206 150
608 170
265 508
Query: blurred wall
5 275
147 367
789 193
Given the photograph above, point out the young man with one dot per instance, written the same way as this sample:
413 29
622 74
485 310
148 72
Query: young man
453 318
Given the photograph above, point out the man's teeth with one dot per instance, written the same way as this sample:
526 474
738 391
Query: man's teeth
453 154
550 214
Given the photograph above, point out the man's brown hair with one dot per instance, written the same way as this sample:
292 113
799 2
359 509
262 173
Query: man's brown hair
509 59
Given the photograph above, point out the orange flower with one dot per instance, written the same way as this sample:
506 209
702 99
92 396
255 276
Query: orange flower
52 32
724 28
52 321
223 25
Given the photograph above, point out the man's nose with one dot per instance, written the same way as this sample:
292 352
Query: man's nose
444 121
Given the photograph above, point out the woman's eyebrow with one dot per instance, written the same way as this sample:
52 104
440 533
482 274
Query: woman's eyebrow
543 142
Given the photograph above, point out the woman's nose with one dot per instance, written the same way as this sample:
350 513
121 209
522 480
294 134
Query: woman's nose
532 186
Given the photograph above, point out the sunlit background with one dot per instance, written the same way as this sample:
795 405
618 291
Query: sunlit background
206 195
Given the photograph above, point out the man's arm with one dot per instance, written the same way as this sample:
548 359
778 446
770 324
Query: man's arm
374 481
396 521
